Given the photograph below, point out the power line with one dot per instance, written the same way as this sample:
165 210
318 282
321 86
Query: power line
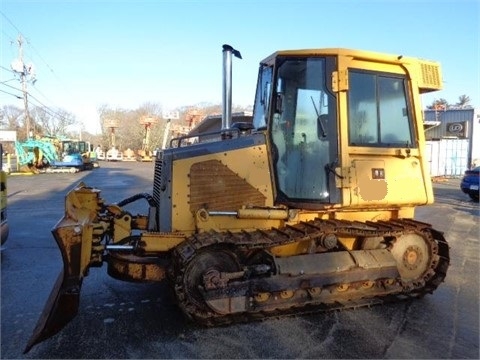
11 23
43 95
29 43
37 103
7 49
29 94
46 108
5 81
23 74
22 79
8 36
4 68
35 50
10 86
41 58
6 92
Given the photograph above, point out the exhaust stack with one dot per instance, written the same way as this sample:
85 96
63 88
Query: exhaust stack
228 51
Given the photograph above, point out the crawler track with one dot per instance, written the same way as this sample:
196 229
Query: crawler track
214 286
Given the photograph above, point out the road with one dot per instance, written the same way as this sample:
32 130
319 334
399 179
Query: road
125 320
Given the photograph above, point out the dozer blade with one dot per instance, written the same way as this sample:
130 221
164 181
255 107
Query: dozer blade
60 309
73 235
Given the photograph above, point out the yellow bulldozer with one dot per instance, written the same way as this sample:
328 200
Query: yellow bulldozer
308 207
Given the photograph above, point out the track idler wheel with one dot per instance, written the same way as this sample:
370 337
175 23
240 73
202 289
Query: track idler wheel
204 272
414 256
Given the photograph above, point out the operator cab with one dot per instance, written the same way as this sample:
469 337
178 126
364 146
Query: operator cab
338 122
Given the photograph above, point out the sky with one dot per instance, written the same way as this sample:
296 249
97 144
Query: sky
126 53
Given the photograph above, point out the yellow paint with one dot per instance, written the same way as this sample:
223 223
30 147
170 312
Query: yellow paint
403 170
232 223
403 183
296 248
256 173
348 243
368 189
160 242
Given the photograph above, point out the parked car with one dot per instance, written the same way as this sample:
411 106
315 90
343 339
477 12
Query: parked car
470 183
4 228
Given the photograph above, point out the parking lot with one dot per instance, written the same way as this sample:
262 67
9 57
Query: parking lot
124 320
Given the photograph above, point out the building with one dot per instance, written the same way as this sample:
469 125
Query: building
209 128
453 140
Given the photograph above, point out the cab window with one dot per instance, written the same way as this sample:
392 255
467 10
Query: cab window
378 110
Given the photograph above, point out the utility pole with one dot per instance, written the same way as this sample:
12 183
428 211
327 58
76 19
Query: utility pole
23 80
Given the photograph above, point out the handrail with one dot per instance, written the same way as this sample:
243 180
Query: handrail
224 134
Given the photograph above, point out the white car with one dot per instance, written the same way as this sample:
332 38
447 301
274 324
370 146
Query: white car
114 155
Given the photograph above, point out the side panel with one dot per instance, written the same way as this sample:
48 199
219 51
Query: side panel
220 176
391 181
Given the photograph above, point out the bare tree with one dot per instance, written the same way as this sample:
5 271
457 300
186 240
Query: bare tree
48 122
11 117
439 104
130 133
121 127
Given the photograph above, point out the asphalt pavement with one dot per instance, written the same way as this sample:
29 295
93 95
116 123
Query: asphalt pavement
126 320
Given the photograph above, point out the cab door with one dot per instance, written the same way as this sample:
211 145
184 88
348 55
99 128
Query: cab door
303 132
382 156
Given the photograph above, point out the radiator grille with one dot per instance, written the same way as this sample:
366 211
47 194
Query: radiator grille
158 182
431 78
214 186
